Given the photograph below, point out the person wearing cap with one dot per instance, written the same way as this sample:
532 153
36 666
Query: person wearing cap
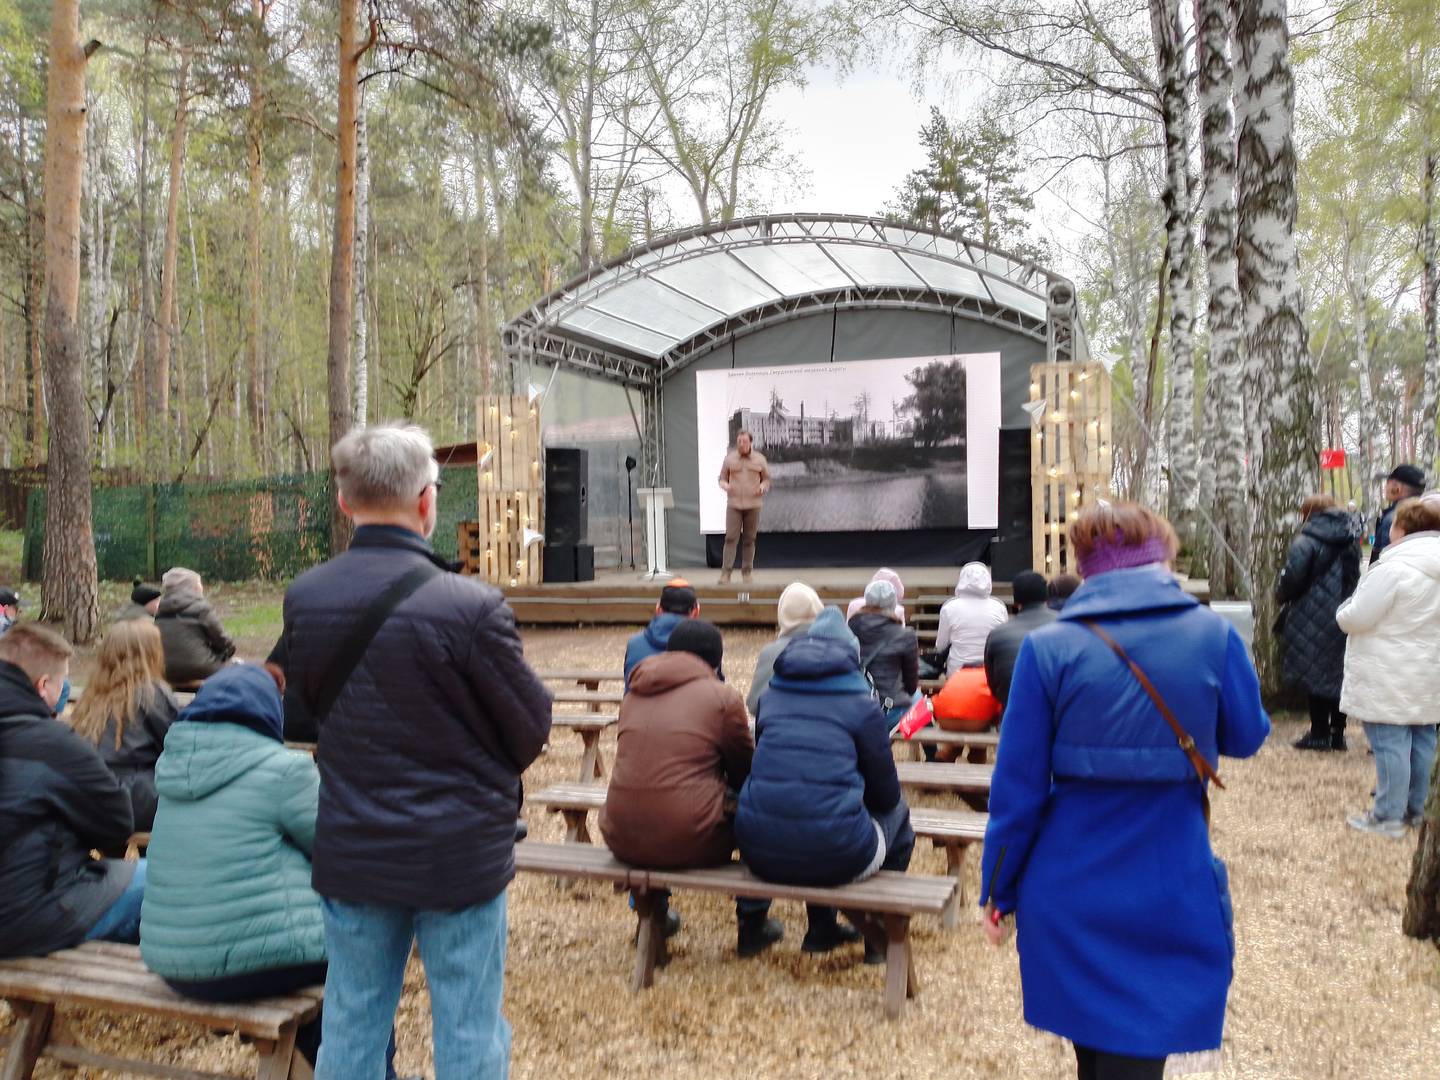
798 607
1003 644
9 608
822 805
1404 482
745 479
889 651
883 574
1097 839
677 603
683 749
196 644
143 604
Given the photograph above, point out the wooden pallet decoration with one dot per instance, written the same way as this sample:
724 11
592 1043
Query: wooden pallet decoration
511 495
1070 456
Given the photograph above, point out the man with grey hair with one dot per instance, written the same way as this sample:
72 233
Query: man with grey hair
414 683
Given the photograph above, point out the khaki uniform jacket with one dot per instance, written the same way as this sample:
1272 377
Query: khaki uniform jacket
745 473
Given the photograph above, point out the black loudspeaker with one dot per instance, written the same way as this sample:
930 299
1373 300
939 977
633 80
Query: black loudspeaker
1009 557
567 481
1011 550
569 562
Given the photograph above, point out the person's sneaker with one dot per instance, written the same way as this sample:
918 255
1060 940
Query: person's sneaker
724 577
673 922
757 935
1311 741
1368 822
1412 821
747 577
828 936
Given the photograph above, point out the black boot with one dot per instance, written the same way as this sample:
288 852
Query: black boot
1314 741
1337 731
825 934
757 933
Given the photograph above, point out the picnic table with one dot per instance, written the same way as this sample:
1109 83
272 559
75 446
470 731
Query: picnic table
589 726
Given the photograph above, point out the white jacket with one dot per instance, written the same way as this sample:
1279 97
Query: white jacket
966 621
1392 656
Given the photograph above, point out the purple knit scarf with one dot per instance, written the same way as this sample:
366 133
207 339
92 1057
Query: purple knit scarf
1115 554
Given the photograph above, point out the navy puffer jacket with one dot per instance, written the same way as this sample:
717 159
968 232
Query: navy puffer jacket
421 756
822 769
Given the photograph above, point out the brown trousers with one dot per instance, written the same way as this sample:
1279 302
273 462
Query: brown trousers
741 527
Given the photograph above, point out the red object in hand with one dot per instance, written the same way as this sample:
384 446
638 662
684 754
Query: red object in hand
995 916
918 716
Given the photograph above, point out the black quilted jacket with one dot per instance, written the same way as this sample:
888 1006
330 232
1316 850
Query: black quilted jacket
421 756
1320 573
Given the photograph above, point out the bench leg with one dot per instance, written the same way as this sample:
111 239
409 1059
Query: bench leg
300 1068
592 765
955 867
917 751
649 939
275 1057
900 979
577 826
32 1033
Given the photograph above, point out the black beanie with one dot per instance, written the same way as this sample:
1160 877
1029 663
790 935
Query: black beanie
1029 588
142 594
1409 475
700 638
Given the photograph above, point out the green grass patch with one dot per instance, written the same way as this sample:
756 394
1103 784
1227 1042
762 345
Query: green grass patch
12 546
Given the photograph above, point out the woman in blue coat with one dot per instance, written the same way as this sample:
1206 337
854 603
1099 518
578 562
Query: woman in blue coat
1097 838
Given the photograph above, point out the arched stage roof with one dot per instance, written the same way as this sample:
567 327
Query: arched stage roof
654 309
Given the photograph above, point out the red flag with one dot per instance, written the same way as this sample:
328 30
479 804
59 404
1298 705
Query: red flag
1332 459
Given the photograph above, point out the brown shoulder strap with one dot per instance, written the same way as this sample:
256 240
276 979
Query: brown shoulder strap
1203 769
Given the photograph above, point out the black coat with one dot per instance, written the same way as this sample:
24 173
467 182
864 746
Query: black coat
421 756
1382 532
1003 646
1320 573
57 801
196 644
133 761
893 652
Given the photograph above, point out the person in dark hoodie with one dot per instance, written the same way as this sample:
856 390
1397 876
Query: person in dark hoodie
1003 645
822 804
677 603
229 911
196 644
684 746
57 802
889 651
1404 482
1319 575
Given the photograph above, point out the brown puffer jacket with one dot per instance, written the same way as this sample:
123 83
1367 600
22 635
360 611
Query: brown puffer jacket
196 644
684 738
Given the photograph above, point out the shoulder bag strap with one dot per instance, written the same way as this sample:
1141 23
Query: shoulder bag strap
1203 769
362 633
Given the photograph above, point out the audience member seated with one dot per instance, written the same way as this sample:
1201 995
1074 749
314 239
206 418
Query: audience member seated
229 911
883 574
889 652
196 645
964 703
967 619
683 750
57 802
677 603
1003 644
822 805
9 608
144 602
127 709
799 604
1061 588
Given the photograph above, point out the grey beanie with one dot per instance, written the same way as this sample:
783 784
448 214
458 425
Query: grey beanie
881 594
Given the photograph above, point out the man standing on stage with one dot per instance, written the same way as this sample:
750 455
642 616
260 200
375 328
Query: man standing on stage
745 479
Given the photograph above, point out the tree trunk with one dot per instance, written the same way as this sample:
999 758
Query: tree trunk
1429 299
168 324
1422 895
69 582
1278 374
480 276
342 255
1359 293
1225 428
1182 447
209 447
32 265
148 401
362 235
254 219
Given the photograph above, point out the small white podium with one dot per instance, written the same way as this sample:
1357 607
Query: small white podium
656 501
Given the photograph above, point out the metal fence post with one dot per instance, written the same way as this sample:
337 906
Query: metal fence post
152 573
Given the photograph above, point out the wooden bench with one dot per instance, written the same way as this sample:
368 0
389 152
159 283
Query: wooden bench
589 726
933 736
881 906
956 777
951 830
593 698
112 978
589 680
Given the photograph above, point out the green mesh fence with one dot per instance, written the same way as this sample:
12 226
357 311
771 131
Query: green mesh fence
270 529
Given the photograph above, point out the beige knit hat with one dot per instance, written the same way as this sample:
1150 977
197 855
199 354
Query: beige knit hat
799 604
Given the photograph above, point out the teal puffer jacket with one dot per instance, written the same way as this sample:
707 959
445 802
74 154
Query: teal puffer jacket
228 887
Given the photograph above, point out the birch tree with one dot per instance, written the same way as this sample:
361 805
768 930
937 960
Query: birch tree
70 585
1284 448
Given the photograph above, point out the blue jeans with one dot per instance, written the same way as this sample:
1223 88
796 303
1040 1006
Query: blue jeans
464 956
1403 756
121 921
